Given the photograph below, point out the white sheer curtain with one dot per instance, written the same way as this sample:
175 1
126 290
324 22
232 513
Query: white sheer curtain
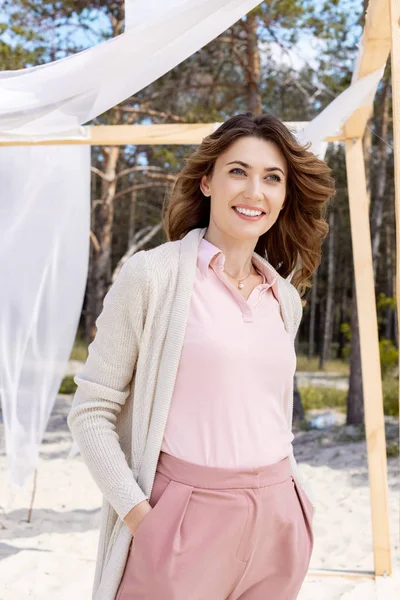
69 92
44 243
331 120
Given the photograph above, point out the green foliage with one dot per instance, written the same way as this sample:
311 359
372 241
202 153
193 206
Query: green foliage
68 385
21 42
389 356
312 365
79 351
304 425
321 397
384 302
167 157
392 449
390 390
345 328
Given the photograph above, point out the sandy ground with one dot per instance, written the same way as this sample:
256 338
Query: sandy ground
53 556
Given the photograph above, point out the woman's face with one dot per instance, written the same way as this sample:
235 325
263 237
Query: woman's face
251 173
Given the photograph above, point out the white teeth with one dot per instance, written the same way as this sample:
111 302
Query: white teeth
249 213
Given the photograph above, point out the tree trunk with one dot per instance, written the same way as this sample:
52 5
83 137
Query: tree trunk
132 208
396 327
140 239
298 410
325 351
389 282
355 398
132 213
253 65
380 174
343 318
367 146
99 276
313 304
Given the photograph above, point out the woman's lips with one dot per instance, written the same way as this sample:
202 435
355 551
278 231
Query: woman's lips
246 217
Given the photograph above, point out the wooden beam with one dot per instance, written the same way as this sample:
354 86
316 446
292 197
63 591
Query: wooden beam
373 54
370 359
341 573
395 48
151 134
119 135
375 40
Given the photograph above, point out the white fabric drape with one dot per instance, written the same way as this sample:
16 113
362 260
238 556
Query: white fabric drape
331 120
69 92
44 243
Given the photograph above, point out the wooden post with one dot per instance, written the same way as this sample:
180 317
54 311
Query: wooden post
370 361
395 57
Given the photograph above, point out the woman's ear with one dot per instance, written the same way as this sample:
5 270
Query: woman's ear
204 185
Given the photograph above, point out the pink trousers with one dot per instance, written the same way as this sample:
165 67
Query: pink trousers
220 534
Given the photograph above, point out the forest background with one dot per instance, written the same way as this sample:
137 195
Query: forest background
290 58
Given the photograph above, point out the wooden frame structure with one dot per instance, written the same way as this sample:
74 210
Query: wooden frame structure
380 37
120 135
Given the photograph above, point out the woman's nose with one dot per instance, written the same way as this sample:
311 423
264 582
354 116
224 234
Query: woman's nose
253 189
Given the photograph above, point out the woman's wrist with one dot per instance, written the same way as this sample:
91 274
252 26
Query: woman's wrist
136 515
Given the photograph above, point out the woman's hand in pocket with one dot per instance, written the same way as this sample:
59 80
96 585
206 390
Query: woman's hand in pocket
136 515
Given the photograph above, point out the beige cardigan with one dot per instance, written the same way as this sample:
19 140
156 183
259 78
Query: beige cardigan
120 408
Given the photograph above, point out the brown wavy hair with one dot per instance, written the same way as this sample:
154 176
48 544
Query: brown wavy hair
301 226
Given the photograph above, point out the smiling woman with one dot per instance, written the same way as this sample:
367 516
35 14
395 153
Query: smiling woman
254 163
184 408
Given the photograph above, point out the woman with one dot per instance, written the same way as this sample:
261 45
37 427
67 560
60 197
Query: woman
183 411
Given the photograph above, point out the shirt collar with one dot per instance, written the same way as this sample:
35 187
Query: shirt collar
210 255
207 251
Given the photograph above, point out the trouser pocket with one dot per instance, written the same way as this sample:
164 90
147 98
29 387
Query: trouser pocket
307 509
156 537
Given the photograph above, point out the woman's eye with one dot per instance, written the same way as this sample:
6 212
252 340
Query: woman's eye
236 169
276 177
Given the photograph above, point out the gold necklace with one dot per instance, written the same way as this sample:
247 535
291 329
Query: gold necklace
240 281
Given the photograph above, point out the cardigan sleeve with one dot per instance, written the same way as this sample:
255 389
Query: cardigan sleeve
104 385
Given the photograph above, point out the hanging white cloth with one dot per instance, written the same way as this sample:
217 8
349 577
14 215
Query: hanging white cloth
331 120
44 249
64 94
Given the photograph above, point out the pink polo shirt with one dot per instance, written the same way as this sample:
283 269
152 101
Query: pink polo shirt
228 406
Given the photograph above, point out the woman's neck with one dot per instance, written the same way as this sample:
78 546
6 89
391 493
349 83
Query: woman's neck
238 255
